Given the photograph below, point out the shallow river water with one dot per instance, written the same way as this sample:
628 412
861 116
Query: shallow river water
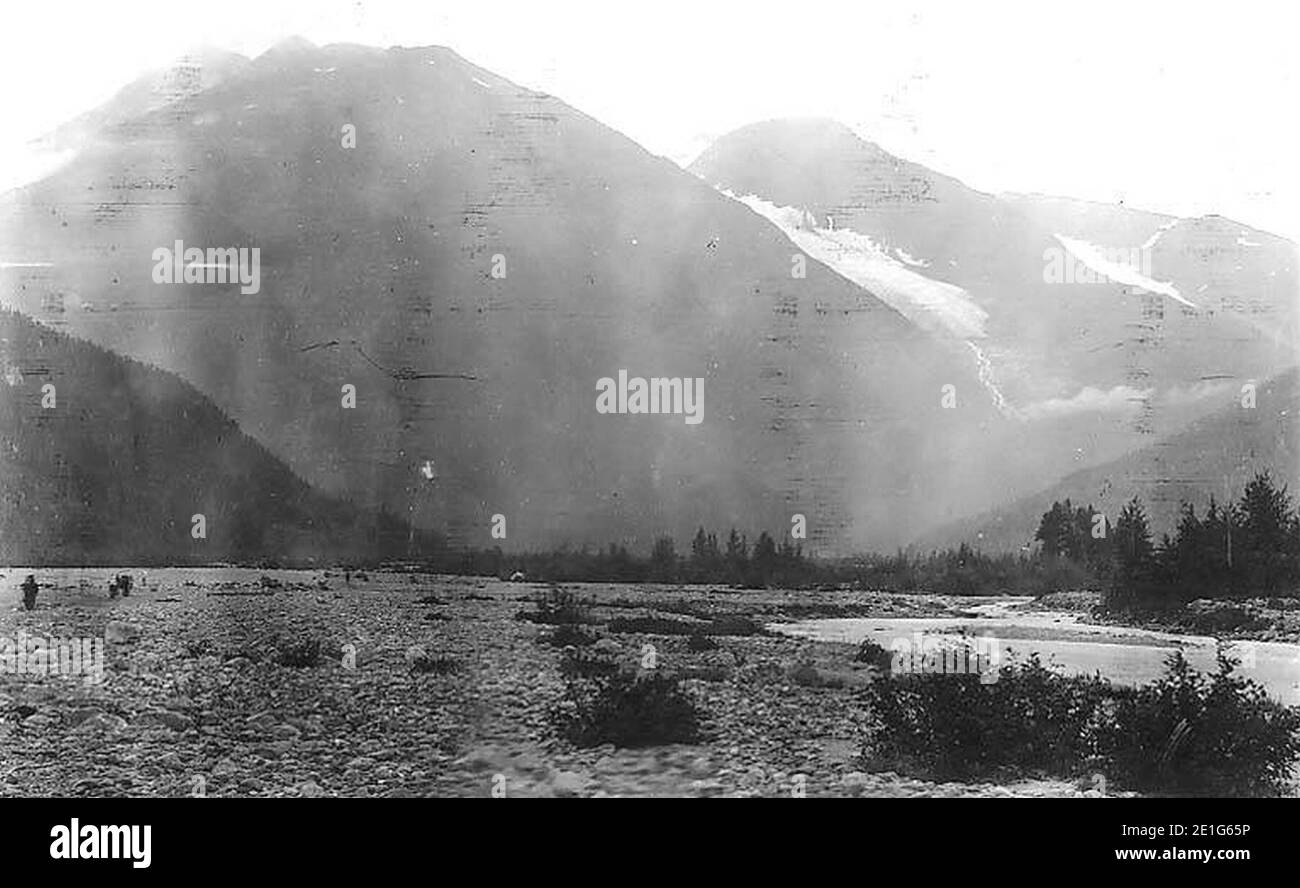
1123 655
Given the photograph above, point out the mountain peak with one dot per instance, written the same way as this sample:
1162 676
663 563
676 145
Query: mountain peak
801 137
291 45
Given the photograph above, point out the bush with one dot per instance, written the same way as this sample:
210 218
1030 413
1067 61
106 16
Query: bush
1183 733
585 663
700 642
952 727
434 665
1220 620
734 625
556 607
605 704
724 625
652 626
873 654
1187 733
568 635
301 654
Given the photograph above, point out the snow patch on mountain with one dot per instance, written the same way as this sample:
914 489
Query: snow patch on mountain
1096 259
1159 232
910 259
935 306
939 308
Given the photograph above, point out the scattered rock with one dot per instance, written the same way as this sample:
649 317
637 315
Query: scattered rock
77 716
568 784
101 721
311 790
164 718
118 632
285 732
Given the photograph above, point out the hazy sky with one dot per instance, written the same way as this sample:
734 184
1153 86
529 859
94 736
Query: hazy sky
1187 107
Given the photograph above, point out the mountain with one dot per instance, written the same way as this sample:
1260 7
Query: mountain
1206 297
110 465
1214 456
1098 329
473 257
168 89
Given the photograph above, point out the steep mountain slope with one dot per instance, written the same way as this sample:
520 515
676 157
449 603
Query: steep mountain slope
1219 298
1214 456
112 463
1099 329
418 215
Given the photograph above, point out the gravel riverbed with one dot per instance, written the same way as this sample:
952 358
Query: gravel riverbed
193 699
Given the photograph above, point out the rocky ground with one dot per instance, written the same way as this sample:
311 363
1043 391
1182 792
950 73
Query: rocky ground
200 694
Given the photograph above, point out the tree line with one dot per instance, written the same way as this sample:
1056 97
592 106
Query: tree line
1250 547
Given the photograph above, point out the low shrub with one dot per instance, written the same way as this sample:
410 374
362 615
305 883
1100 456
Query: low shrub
568 635
652 626
1183 734
627 709
1220 620
874 655
731 624
556 607
1188 733
725 625
700 642
426 665
298 653
585 663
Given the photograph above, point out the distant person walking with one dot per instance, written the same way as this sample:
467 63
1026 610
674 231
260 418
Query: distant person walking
29 592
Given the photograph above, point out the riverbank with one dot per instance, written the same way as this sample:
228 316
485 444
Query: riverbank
1247 619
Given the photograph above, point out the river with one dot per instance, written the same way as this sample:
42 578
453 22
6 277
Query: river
1123 655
